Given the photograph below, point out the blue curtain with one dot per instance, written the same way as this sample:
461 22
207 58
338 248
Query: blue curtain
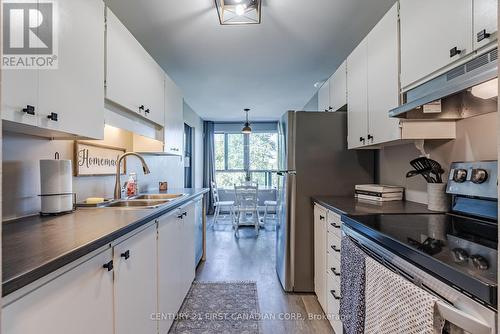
209 162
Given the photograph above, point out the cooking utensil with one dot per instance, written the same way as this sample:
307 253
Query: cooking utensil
425 174
427 167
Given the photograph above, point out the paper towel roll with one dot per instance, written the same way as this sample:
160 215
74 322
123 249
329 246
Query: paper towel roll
56 177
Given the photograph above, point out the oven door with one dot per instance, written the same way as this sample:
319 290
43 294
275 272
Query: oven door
459 310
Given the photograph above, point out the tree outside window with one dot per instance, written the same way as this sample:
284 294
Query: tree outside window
240 157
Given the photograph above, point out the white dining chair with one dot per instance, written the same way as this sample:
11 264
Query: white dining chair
270 208
224 206
246 206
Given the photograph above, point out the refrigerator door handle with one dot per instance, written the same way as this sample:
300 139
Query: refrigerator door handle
285 172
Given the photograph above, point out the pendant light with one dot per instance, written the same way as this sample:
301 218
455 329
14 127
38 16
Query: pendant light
234 12
247 129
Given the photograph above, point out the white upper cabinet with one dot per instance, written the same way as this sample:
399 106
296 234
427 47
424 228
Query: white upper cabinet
324 97
133 79
80 301
135 283
174 118
357 96
383 81
434 34
73 93
338 87
485 22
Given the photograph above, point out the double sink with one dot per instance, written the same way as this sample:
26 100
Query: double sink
145 201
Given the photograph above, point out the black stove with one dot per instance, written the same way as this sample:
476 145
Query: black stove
459 247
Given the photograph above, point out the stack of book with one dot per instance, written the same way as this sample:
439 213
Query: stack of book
379 192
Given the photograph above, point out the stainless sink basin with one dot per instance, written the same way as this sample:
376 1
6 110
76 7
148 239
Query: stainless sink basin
167 197
137 204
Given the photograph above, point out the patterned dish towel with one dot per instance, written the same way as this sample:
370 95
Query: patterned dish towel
395 305
352 287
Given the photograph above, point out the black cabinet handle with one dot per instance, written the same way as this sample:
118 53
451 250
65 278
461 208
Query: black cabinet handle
125 255
30 110
362 139
335 248
483 35
335 225
370 137
53 116
321 218
454 52
108 265
334 271
334 295
141 107
146 111
182 215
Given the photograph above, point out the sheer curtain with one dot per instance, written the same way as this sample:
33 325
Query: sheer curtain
209 162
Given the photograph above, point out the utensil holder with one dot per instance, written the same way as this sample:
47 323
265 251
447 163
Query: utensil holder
437 199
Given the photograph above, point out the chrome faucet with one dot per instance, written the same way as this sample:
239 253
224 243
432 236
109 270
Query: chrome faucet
145 168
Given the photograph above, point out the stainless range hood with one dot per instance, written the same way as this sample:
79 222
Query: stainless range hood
453 92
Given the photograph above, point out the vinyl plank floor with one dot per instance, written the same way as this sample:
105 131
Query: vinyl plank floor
253 259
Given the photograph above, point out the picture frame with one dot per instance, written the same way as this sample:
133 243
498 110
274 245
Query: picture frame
90 159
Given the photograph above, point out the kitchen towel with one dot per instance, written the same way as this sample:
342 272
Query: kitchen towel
395 305
352 287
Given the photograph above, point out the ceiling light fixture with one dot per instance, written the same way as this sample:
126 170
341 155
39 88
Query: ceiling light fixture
247 129
233 12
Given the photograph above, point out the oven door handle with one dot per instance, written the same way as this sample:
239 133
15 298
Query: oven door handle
463 320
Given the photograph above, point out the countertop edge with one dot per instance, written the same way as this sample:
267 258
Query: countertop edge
28 277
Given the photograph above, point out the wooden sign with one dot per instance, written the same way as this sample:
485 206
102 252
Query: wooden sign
94 159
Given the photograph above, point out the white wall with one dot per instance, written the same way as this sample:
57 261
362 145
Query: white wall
21 173
193 120
476 140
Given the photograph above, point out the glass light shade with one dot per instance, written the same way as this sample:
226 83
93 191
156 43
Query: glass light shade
238 11
486 90
246 129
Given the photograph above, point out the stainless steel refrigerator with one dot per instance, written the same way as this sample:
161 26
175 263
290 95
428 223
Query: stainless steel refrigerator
313 160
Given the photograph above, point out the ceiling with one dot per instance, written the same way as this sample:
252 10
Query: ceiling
270 68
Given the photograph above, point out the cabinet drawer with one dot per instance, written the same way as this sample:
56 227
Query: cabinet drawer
333 254
334 224
333 266
333 299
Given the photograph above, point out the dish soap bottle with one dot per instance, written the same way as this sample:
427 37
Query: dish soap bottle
132 185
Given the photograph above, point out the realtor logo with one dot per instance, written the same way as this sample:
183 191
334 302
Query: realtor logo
29 35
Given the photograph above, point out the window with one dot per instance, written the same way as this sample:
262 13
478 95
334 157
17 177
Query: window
239 157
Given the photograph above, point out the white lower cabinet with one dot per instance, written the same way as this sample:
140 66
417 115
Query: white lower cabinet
135 285
320 253
80 301
327 245
176 268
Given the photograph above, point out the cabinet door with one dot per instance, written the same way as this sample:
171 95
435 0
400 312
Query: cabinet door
174 118
429 30
324 97
320 238
187 252
135 283
169 245
79 301
338 88
133 79
153 91
383 79
19 89
485 20
75 91
357 96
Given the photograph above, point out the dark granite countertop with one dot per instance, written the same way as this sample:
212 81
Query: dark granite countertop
345 205
35 246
